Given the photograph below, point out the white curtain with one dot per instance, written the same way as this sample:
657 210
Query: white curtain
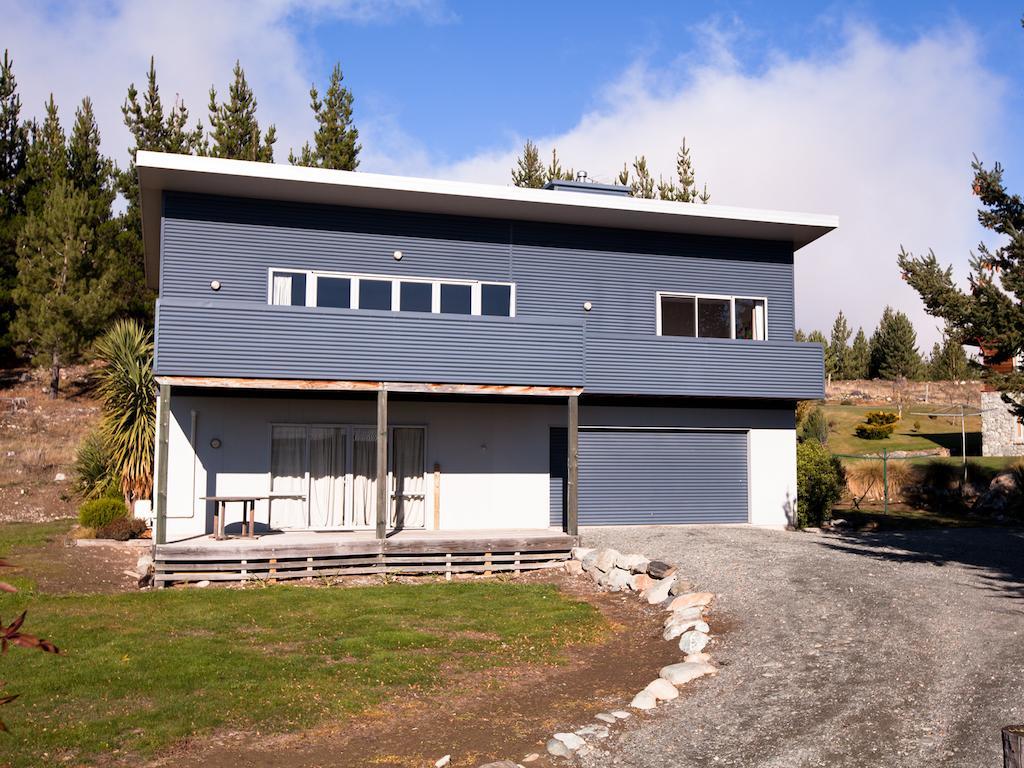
326 477
282 289
407 505
364 478
759 321
288 476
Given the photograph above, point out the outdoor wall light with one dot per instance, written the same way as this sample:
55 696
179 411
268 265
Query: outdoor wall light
215 443
587 306
215 285
398 255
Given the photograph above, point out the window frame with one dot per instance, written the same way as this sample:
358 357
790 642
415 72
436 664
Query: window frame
354 278
731 298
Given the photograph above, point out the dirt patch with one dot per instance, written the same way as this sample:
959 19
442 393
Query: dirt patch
479 717
60 568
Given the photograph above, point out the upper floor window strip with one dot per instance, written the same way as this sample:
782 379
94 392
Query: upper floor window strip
711 316
385 292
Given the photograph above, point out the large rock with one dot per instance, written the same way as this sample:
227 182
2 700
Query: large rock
605 560
657 592
691 599
617 580
680 586
662 689
632 563
597 731
578 553
644 700
571 740
681 674
672 631
573 567
558 749
658 569
605 717
501 764
620 714
1002 492
701 657
693 641
589 560
641 581
686 614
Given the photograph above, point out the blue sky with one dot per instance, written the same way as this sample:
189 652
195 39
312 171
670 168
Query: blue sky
867 110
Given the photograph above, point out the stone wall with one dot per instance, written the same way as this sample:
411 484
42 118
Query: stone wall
999 435
882 392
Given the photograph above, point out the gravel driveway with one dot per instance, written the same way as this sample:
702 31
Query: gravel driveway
888 649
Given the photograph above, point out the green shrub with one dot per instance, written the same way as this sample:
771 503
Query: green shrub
122 529
815 427
881 418
92 471
97 513
874 431
820 482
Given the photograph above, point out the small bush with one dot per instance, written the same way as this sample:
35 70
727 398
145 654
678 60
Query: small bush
97 513
820 482
881 418
846 401
864 480
122 529
815 427
92 473
874 431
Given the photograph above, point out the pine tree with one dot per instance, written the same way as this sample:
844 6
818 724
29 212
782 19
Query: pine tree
234 130
817 337
60 293
47 159
88 170
555 172
838 349
859 358
686 191
529 170
896 352
799 335
13 157
336 141
643 183
874 351
948 361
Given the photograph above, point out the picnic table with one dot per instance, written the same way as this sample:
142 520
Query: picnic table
248 511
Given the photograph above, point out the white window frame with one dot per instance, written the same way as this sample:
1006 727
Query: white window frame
659 295
354 279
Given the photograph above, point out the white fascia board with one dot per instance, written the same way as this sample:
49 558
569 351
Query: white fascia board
159 172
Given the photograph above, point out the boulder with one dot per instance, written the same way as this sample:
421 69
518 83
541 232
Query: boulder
672 631
632 563
686 614
578 553
605 560
144 564
588 560
571 740
644 700
681 674
662 689
620 714
1002 491
597 731
501 764
702 656
443 761
657 592
558 749
202 584
60 477
531 757
604 717
680 586
658 569
693 641
691 599
617 580
573 567
641 581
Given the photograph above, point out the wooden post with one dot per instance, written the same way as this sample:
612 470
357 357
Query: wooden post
163 429
437 497
1013 746
382 463
572 479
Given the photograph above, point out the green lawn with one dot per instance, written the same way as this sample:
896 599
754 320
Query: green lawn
142 670
929 433
15 535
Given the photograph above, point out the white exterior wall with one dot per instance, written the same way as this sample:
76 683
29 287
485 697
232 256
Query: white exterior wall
772 458
493 457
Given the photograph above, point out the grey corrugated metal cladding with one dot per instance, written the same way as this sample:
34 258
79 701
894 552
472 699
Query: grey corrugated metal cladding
556 268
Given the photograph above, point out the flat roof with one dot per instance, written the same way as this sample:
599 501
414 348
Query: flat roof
161 172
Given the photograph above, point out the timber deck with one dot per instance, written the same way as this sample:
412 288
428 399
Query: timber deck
312 554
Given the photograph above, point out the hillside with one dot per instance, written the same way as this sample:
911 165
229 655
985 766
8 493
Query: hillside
38 438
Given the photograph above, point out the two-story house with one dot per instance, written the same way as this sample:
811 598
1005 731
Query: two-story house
388 360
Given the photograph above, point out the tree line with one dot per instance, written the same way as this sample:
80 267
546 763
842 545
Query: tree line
890 353
70 263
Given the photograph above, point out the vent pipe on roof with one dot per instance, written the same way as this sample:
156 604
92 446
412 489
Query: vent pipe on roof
583 184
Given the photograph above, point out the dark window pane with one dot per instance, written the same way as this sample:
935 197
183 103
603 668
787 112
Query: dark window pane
677 316
750 319
496 300
713 320
456 299
298 289
334 292
375 294
415 297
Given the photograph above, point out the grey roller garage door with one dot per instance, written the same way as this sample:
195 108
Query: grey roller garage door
635 477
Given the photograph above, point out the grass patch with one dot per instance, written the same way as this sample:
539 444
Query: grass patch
142 670
900 517
15 536
937 432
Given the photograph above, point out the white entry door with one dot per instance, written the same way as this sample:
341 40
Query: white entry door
408 485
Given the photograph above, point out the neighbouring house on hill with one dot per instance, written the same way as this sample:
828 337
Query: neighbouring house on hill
367 372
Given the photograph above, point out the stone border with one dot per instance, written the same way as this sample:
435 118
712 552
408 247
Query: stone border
658 583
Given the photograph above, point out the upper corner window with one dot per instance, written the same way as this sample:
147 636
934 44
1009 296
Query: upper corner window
335 292
288 288
711 317
496 300
750 319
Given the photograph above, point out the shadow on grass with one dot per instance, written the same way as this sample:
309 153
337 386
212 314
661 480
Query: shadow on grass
995 554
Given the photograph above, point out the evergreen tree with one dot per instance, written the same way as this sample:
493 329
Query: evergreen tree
642 184
948 361
799 335
47 159
555 171
895 352
13 157
838 348
234 130
336 141
686 191
859 358
60 292
817 337
529 170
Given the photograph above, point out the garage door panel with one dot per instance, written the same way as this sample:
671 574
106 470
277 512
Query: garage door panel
662 477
